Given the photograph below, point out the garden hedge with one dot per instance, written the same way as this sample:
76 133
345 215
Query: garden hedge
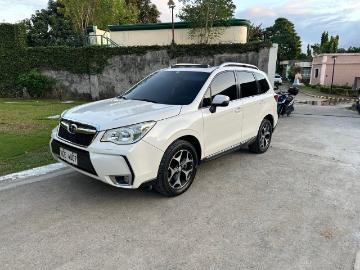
12 35
92 60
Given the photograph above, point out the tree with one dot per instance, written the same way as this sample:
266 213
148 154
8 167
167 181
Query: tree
353 50
256 33
283 33
114 12
98 12
204 15
148 12
50 27
81 12
327 45
308 51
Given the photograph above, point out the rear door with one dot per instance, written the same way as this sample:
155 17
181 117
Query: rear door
222 129
250 104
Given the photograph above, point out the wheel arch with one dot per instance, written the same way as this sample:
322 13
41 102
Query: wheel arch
195 142
271 119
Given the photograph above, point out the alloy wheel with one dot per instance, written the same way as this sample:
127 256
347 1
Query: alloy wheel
181 169
265 136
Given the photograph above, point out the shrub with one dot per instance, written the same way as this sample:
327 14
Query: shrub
36 84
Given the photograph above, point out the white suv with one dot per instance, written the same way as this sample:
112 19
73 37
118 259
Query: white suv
159 131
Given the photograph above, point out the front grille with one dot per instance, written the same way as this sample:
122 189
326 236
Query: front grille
84 162
76 133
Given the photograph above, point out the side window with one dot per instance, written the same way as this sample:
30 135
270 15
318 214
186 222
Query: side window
262 83
224 84
207 99
248 85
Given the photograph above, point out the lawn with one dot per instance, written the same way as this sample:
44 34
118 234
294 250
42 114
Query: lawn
25 132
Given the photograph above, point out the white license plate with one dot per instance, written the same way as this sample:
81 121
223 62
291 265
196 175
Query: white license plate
68 156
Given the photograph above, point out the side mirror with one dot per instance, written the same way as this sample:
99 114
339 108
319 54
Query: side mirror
219 101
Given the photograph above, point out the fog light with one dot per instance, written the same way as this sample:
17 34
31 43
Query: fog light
123 180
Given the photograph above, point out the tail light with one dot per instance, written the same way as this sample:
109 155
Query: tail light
276 96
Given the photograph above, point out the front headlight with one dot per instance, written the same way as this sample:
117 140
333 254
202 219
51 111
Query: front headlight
128 135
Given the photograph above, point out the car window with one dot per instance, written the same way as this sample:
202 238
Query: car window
223 84
248 85
262 82
169 87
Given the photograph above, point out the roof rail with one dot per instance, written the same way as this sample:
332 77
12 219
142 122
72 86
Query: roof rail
185 65
233 64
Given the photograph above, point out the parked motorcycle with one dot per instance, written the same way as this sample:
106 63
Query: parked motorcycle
286 101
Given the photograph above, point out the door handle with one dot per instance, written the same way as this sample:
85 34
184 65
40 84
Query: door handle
238 109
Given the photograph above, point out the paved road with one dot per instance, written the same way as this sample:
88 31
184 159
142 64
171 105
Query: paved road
295 207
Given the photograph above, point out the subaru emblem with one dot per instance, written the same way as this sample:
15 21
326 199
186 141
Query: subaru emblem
73 128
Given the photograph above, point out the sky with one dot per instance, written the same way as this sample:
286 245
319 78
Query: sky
311 17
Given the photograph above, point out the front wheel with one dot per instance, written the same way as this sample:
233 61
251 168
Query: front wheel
177 169
263 139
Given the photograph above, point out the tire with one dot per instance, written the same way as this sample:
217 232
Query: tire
177 169
263 139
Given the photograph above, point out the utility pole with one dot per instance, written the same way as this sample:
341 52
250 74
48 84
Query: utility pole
171 5
333 72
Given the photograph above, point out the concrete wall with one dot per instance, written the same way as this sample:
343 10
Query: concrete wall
232 34
347 68
125 70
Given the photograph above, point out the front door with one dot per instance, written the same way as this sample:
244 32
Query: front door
222 129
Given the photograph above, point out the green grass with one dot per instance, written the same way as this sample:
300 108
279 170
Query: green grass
25 132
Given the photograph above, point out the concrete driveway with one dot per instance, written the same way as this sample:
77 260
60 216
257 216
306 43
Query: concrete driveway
295 207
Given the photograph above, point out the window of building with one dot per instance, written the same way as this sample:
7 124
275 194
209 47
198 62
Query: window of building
262 83
248 85
316 73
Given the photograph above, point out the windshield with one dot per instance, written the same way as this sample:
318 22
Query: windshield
169 87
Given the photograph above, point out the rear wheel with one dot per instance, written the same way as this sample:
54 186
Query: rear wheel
263 139
177 169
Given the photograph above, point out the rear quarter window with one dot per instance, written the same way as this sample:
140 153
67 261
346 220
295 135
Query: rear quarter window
248 85
262 83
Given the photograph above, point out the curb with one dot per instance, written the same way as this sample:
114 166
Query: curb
357 261
329 98
32 172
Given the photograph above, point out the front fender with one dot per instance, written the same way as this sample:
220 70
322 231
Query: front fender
167 131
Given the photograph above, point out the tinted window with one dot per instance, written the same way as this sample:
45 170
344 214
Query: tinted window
262 82
169 87
223 84
248 84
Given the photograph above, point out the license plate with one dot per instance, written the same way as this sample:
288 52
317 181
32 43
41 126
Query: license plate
68 156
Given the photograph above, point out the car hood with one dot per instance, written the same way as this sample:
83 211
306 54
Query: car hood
116 112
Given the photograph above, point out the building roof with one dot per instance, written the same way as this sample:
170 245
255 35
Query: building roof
337 54
177 25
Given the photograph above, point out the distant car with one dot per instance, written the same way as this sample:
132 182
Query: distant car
162 128
278 80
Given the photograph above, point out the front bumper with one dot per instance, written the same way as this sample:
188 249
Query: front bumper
108 162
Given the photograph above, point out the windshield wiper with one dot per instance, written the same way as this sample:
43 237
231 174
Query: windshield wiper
146 100
123 97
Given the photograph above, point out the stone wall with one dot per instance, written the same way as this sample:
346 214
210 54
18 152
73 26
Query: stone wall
124 71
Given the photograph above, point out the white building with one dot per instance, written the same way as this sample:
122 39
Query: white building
161 34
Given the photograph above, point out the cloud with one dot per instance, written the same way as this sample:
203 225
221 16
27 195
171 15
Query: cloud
261 11
162 6
17 10
311 18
